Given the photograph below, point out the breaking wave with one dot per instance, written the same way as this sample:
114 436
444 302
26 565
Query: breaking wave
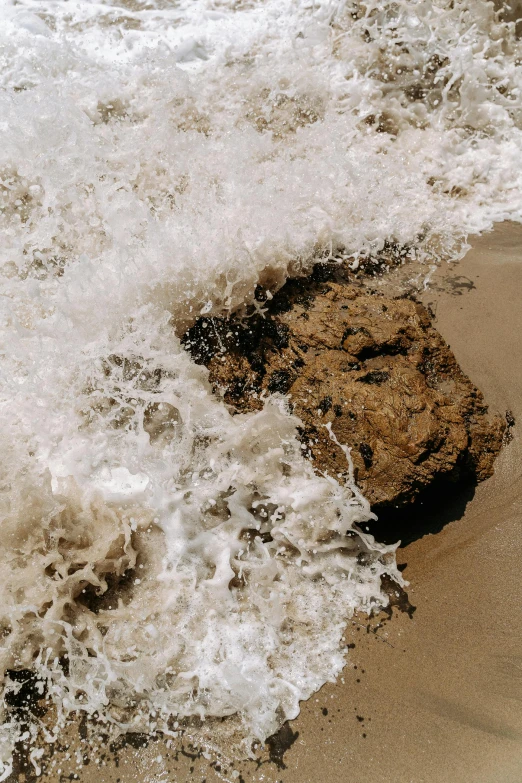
161 557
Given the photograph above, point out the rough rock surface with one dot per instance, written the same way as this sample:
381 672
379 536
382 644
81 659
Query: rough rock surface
373 366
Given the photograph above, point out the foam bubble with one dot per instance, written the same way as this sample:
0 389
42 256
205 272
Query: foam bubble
159 160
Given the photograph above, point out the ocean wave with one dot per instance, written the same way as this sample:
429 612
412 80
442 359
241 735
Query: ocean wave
162 557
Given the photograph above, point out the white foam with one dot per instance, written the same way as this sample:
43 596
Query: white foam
158 161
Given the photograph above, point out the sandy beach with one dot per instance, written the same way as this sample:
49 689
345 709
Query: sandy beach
434 697
441 693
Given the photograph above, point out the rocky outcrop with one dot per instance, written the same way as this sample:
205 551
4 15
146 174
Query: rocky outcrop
373 366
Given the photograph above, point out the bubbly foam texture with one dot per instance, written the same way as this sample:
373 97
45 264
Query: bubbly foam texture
160 557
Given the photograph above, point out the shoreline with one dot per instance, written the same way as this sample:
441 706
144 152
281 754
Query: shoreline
436 696
444 692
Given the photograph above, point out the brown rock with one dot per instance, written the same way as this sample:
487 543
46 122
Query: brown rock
374 367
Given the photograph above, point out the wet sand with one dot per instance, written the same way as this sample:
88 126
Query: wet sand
444 693
437 697
441 693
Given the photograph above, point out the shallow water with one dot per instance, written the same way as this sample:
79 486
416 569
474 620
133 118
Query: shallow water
163 558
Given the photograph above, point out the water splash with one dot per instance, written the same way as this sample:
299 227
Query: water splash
159 160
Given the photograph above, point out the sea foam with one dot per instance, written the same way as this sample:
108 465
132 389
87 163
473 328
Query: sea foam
161 557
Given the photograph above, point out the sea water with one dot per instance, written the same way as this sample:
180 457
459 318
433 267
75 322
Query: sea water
160 557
